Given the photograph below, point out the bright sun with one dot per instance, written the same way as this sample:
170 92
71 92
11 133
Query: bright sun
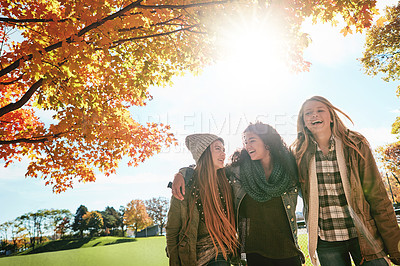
253 51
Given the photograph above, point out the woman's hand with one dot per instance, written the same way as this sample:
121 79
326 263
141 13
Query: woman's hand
178 186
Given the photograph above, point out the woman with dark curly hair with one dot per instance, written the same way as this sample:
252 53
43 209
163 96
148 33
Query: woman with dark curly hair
263 176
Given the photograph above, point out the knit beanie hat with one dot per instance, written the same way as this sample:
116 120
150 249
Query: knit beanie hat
198 143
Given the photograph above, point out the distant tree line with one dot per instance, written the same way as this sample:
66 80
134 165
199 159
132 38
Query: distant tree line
34 228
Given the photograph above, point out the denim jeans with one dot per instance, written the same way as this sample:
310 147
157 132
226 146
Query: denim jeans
338 253
219 261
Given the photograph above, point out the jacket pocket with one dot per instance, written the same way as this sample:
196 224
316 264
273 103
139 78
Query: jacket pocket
372 243
184 252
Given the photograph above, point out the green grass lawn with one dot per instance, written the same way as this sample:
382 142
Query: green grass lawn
105 251
97 252
77 243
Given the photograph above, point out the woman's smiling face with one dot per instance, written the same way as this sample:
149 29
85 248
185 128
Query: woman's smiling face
254 146
218 154
317 118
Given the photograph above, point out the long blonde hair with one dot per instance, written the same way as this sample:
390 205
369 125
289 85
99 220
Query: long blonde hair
338 129
220 225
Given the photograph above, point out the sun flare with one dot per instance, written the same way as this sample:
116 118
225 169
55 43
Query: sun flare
252 50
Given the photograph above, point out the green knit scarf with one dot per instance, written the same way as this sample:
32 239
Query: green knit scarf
254 182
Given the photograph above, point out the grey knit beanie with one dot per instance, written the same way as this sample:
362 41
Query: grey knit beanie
198 143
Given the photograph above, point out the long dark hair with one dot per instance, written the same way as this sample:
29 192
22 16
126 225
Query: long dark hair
278 149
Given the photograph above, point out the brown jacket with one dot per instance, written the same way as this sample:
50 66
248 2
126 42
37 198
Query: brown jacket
374 217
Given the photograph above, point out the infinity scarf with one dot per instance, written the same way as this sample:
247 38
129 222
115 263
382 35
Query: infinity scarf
254 182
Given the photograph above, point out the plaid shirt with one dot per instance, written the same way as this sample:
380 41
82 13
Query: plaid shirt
334 223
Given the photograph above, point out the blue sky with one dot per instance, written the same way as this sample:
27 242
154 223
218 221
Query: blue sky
223 100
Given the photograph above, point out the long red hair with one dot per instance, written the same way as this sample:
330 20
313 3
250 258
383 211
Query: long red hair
220 225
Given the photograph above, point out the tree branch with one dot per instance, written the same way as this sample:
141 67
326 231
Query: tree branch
14 106
51 155
40 139
57 45
22 140
13 81
116 43
167 22
182 6
97 24
16 21
397 179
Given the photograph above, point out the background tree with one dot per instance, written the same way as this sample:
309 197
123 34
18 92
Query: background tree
382 50
39 219
111 219
63 227
121 220
33 222
93 222
58 221
157 208
4 229
88 62
389 156
17 234
136 216
79 224
4 242
29 226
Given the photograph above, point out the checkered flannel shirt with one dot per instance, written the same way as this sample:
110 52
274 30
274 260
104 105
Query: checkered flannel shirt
334 223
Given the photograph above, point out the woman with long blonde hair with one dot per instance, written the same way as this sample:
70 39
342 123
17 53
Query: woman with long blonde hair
201 228
347 208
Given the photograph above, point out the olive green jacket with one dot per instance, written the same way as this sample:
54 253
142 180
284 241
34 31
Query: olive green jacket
182 232
369 205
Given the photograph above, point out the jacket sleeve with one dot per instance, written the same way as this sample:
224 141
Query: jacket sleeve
381 207
187 172
172 229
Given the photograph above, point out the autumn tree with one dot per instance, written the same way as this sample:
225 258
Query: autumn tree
157 208
136 216
382 46
381 56
17 234
79 224
4 229
63 227
382 50
389 156
58 221
35 225
93 222
86 63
